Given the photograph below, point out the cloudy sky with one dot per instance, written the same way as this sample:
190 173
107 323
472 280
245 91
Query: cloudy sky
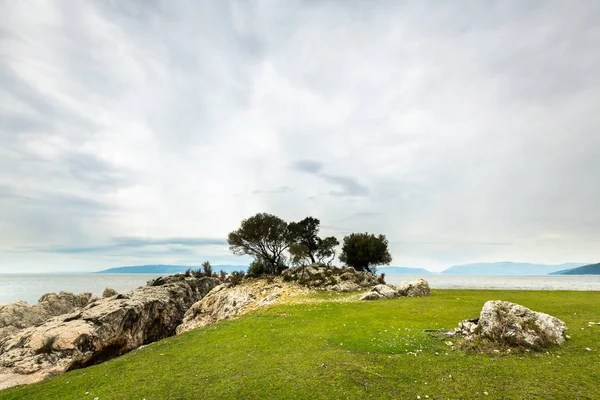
137 132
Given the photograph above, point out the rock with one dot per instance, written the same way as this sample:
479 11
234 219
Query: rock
380 292
226 301
515 325
108 292
20 315
417 288
345 286
103 329
331 278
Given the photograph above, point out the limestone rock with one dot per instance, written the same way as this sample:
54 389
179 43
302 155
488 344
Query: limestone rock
380 292
108 292
514 324
417 288
226 301
331 278
20 315
103 329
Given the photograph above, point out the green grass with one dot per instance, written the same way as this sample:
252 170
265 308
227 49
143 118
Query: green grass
348 350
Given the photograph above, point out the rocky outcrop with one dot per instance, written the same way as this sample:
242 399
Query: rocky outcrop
227 301
20 315
330 278
510 324
101 330
417 288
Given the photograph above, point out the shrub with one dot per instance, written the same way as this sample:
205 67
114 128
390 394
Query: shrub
236 277
256 269
207 268
223 275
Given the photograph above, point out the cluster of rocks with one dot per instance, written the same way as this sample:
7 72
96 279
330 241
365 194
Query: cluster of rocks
511 324
417 288
101 329
330 278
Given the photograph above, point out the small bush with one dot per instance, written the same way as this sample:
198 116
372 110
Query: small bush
287 278
207 268
236 277
188 272
223 275
256 269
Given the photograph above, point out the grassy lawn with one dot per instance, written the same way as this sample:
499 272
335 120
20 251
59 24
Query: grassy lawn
348 350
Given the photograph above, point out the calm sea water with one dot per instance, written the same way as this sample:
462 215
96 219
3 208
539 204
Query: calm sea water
30 287
508 282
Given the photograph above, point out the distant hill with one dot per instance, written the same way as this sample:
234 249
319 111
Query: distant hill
591 269
168 269
403 270
508 268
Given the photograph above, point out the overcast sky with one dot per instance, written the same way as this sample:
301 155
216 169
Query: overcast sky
139 132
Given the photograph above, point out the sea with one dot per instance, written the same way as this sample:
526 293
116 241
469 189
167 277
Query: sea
30 287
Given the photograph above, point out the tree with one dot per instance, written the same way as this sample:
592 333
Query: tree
299 254
266 238
306 233
364 251
326 250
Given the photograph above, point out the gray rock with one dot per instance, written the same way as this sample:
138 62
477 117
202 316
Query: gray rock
108 292
417 288
371 296
513 324
20 315
226 301
102 330
331 278
380 292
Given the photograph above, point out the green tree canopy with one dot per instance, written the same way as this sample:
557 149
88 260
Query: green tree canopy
265 237
306 233
363 251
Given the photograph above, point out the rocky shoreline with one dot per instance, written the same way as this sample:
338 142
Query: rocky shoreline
66 331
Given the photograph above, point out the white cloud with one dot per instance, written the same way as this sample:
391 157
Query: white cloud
464 132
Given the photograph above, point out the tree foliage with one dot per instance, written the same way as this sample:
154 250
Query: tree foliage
306 233
326 250
363 251
264 236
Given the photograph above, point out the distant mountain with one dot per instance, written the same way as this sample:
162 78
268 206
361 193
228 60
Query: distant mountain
403 270
168 269
508 268
591 269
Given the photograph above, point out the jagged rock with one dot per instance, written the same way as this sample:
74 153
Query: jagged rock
227 301
20 315
103 329
345 286
331 278
417 288
380 292
108 292
513 324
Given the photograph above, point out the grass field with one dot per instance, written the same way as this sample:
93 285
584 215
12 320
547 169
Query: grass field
332 349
